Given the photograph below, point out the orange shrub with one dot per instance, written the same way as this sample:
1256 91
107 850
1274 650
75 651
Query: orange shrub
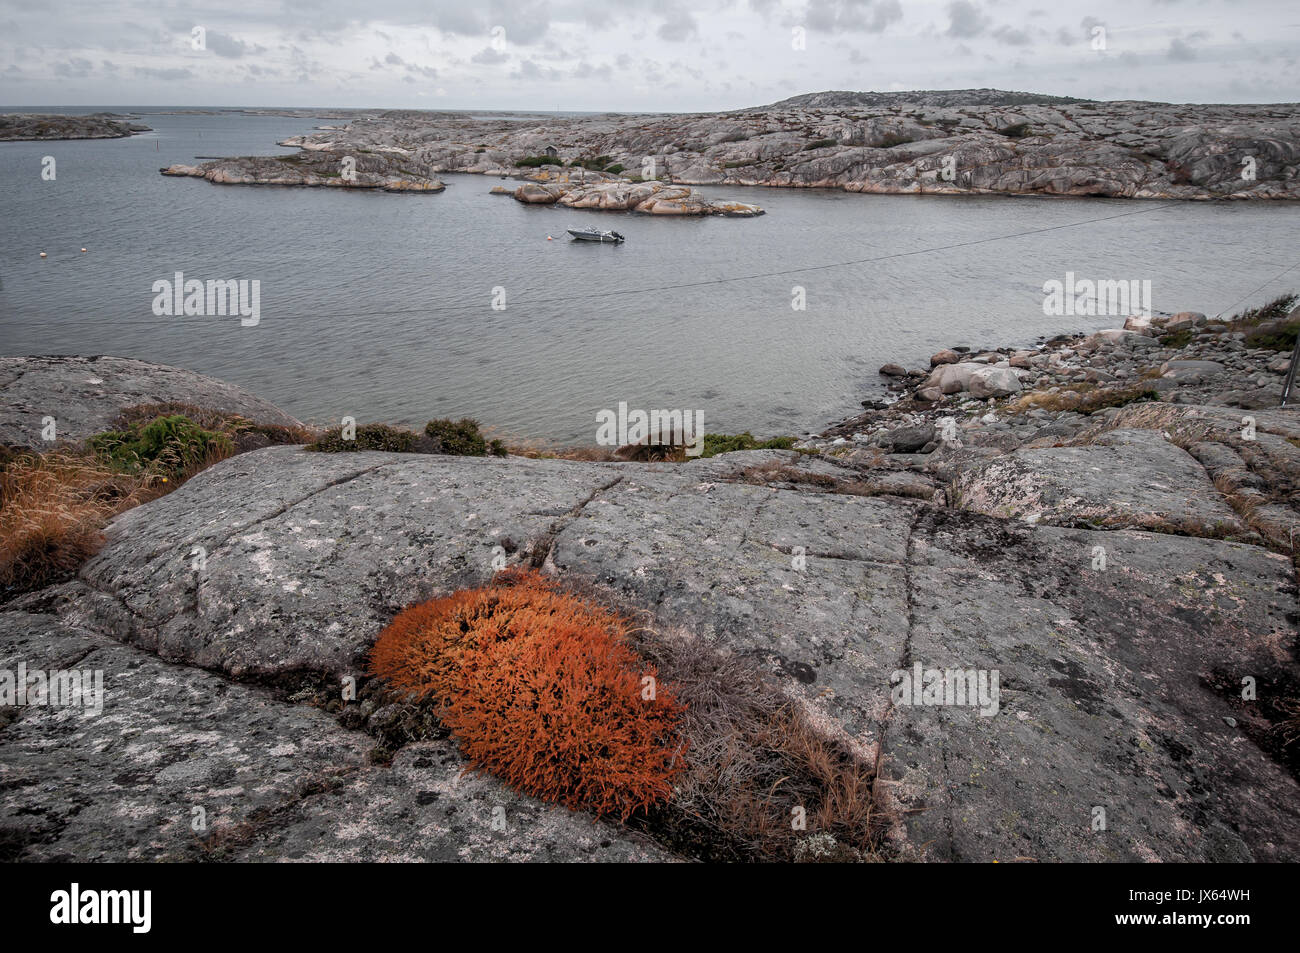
541 689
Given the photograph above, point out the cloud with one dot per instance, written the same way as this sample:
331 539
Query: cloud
851 16
78 67
489 57
225 45
965 19
1180 50
166 75
678 26
1012 37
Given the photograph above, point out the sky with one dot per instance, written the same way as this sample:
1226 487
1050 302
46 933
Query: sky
636 55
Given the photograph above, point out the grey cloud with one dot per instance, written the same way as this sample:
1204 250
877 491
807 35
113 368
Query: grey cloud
677 27
851 16
78 67
1012 36
167 75
489 57
965 19
225 45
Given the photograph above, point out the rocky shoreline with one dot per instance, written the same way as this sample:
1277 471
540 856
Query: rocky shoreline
1107 520
948 143
29 127
1191 379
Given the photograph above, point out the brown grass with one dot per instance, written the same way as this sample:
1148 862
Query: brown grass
1082 398
756 757
53 507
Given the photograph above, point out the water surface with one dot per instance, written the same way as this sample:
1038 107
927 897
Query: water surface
379 306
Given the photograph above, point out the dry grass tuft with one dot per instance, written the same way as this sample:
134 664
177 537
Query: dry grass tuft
1082 398
757 763
53 507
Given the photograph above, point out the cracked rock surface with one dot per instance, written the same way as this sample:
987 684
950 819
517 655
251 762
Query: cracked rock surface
1117 682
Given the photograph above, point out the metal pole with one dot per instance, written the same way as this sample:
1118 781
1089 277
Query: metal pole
1295 359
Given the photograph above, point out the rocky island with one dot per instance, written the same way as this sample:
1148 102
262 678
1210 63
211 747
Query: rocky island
1106 521
364 170
939 142
17 127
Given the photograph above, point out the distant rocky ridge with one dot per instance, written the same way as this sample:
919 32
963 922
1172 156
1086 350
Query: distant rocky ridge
15 127
953 98
930 142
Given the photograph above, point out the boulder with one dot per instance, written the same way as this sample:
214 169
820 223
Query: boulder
907 439
85 395
893 370
1190 371
952 378
946 356
993 382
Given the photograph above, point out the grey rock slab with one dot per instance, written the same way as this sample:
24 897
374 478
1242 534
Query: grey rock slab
722 561
306 556
429 807
1140 481
1114 683
275 781
85 395
1116 680
122 785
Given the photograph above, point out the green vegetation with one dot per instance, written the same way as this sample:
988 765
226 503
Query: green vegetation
534 162
167 446
615 169
716 443
1268 326
367 437
595 165
1178 339
461 438
1279 307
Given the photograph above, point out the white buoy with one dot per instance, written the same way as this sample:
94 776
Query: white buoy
42 254
83 249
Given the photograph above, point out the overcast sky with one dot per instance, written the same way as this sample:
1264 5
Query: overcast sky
670 55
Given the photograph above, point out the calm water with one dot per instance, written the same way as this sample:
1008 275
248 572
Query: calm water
379 306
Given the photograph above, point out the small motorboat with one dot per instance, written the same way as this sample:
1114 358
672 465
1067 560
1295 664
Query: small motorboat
595 235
